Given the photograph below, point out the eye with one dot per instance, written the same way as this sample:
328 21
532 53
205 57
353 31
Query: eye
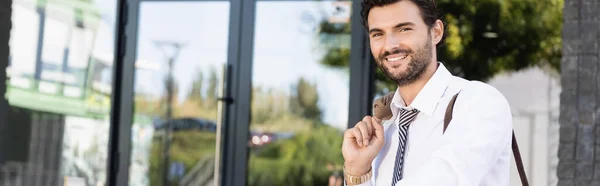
376 35
405 29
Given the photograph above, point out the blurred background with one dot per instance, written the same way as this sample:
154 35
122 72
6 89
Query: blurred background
240 92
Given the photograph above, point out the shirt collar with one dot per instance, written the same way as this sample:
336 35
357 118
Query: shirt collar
428 98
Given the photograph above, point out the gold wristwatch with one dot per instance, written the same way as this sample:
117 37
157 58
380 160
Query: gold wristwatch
356 180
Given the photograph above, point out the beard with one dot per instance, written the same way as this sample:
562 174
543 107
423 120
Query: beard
416 67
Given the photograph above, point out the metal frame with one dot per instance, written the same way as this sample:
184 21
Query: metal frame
241 38
233 167
361 70
122 97
5 6
237 112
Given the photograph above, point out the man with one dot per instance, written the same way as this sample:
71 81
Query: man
411 147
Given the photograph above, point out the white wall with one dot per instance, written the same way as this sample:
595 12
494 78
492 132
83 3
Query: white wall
534 97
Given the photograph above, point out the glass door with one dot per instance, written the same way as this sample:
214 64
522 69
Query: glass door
286 85
300 92
182 49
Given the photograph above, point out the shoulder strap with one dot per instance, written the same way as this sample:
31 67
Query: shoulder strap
519 161
515 147
448 115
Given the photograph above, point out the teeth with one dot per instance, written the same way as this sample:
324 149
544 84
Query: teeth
396 58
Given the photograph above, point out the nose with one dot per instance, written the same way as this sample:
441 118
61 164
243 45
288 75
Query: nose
391 42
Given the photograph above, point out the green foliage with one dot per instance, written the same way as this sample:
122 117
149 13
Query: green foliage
196 91
337 56
308 158
187 147
301 160
486 37
336 28
212 87
307 98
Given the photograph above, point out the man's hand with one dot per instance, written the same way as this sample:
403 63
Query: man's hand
362 144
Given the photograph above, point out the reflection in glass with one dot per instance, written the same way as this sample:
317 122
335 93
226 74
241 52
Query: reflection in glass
300 93
58 123
181 50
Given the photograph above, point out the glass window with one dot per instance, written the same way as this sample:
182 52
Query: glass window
300 92
175 119
58 125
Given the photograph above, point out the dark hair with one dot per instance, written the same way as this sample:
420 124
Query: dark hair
428 9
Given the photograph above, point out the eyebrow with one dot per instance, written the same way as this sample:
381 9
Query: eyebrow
399 25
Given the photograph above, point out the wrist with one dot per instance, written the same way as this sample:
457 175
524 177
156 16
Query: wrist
357 169
356 177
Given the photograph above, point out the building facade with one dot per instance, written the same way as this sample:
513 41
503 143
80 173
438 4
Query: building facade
580 97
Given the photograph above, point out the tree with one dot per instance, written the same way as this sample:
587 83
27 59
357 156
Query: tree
211 95
485 37
307 99
301 160
196 91
310 155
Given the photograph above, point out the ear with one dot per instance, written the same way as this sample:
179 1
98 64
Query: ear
437 32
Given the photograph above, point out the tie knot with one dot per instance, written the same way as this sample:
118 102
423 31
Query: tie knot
407 116
405 110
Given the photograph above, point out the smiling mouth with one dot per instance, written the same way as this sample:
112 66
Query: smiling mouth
393 59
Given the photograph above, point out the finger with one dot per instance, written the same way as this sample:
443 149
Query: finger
377 120
362 126
357 136
348 134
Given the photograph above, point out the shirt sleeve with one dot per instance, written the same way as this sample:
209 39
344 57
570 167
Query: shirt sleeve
480 131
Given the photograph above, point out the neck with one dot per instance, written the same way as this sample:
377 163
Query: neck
410 91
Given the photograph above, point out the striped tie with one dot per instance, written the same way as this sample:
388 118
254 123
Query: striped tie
406 117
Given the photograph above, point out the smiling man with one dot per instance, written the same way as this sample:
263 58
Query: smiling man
412 147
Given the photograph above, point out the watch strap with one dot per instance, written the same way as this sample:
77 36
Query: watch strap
356 180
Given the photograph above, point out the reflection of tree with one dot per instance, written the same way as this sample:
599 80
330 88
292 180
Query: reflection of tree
274 110
303 159
200 102
196 92
312 153
485 37
187 146
211 94
306 98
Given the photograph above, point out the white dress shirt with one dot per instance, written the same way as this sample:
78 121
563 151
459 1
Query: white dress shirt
475 150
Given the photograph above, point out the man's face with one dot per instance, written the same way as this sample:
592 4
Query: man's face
400 41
